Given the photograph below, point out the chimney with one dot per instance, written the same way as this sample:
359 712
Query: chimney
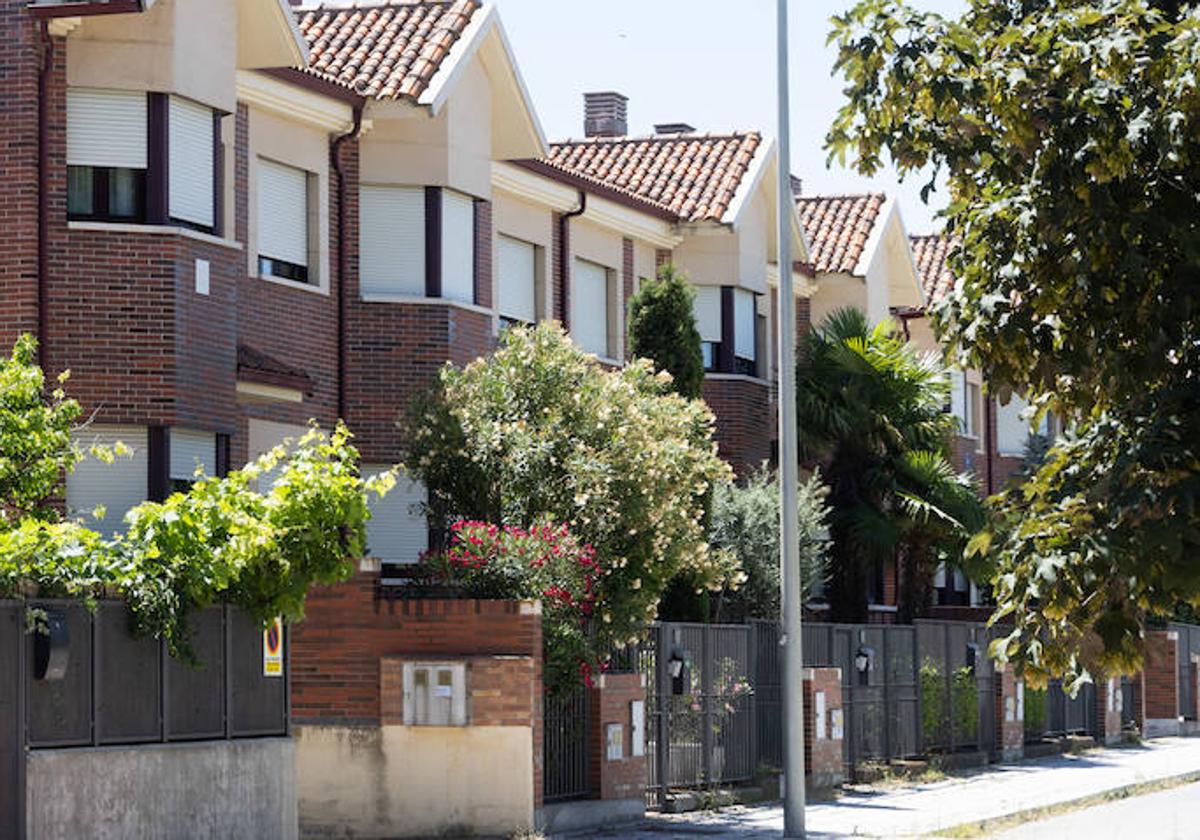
674 128
604 115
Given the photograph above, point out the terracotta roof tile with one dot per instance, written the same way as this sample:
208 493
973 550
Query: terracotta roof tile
838 227
693 176
253 365
931 254
385 49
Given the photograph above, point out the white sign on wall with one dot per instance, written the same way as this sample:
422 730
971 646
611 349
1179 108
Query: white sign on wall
615 739
836 725
637 727
819 714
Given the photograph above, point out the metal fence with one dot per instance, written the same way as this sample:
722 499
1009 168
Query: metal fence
565 721
115 688
1189 655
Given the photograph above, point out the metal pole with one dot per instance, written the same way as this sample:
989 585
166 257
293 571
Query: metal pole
793 657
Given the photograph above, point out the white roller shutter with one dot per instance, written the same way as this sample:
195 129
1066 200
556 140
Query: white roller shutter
458 247
392 240
282 212
958 399
1012 430
518 280
265 435
744 318
398 531
118 486
106 128
589 307
707 308
190 149
191 450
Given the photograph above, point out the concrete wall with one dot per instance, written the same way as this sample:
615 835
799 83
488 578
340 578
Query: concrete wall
227 789
412 781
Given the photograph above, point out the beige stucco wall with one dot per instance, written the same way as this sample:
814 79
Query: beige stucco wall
302 146
837 291
401 781
717 256
188 47
407 147
752 245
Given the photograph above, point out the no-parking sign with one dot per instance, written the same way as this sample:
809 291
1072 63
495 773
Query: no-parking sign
273 649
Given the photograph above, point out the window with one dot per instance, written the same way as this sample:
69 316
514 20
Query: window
458 247
283 212
192 164
106 154
435 694
118 486
517 269
745 321
974 421
191 451
958 399
392 241
398 531
590 296
707 308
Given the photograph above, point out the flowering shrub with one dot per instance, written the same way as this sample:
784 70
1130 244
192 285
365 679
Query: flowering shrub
540 432
543 562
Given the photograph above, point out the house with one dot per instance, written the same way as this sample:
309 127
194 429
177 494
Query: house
712 199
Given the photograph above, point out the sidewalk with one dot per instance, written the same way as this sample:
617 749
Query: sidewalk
993 793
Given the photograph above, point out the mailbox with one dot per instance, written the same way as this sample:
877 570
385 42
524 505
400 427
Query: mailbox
51 647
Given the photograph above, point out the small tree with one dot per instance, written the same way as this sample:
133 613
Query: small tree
745 523
662 328
539 431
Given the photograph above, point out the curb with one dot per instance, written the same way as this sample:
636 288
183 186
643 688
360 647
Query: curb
1016 818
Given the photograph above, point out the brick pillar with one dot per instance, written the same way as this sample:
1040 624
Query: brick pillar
824 726
1010 713
1160 684
611 712
1108 710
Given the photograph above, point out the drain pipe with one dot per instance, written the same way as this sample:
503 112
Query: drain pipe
43 230
342 261
564 257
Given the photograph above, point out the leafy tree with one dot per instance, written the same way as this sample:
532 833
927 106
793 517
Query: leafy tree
538 430
871 412
223 541
662 328
745 523
1066 130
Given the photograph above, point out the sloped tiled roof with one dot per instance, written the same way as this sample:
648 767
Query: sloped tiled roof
692 176
931 253
838 227
253 365
385 49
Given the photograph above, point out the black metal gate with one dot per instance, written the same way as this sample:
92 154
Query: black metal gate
1189 657
700 706
12 805
565 722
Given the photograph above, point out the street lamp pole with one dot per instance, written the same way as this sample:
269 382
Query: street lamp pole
789 464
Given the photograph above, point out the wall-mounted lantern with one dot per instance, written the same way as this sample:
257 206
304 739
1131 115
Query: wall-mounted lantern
972 657
677 669
51 646
864 662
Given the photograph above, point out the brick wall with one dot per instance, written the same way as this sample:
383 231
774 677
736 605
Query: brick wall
611 702
498 689
746 422
337 649
1010 718
1108 709
483 251
19 163
823 737
1160 675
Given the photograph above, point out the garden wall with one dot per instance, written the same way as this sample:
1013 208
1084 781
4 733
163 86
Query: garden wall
366 766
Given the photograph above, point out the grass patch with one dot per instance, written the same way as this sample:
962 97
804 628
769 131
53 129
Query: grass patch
986 828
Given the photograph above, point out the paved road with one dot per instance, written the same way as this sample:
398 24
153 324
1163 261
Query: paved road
1167 815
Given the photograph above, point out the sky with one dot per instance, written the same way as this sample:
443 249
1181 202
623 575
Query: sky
708 63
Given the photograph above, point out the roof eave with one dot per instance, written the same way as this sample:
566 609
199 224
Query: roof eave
541 167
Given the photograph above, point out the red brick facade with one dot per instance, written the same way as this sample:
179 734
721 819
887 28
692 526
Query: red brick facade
1160 676
746 422
823 728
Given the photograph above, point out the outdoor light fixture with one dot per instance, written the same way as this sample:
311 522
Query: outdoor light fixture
676 666
51 645
972 656
864 661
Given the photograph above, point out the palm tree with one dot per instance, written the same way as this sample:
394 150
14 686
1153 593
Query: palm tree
872 414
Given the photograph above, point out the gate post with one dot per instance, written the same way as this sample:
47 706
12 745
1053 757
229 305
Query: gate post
752 700
708 662
662 737
887 699
948 669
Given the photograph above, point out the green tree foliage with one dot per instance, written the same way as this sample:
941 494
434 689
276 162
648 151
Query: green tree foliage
745 523
871 412
662 328
1066 130
539 431
223 541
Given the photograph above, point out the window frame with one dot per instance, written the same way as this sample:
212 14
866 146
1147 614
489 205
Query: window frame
306 275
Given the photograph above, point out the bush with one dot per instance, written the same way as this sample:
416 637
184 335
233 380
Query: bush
935 714
662 328
539 432
1035 712
745 523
